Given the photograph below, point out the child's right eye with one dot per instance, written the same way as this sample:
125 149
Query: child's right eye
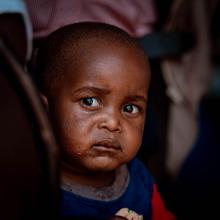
90 101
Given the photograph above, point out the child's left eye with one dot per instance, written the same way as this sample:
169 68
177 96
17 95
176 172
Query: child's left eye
90 101
130 108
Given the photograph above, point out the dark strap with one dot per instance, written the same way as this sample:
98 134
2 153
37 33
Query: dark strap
165 44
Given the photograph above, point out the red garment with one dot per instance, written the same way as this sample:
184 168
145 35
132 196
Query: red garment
159 211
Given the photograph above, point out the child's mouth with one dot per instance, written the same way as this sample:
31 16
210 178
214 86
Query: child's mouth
107 145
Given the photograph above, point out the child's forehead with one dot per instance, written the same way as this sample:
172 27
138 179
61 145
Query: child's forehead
99 61
109 56
89 49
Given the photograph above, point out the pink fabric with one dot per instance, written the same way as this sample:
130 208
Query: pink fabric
137 17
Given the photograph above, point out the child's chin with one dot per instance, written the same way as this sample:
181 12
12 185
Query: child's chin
103 164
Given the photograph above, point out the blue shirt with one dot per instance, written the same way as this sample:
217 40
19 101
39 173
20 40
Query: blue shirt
136 197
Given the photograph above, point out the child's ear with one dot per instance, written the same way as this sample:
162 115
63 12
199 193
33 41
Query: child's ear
44 101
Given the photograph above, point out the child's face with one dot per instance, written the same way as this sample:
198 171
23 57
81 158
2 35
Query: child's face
100 108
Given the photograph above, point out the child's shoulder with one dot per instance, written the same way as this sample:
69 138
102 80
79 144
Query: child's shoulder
138 165
137 170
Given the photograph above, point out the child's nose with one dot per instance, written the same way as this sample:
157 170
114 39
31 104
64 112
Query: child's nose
111 121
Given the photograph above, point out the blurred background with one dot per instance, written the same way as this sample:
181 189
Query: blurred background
181 143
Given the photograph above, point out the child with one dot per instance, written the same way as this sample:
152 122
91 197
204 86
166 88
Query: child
94 80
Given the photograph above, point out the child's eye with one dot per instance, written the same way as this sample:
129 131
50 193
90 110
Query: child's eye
90 101
130 108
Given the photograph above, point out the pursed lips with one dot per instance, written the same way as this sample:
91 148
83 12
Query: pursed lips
107 145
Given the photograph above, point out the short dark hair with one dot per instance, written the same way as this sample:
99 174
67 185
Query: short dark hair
56 49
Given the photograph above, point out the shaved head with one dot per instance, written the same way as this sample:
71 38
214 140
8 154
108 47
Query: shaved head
71 43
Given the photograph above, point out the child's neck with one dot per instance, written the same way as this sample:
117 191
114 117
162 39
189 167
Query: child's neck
95 179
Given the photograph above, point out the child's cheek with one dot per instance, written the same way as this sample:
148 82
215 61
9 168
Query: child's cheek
77 129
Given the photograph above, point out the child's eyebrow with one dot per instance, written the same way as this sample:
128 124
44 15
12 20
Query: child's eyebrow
138 98
92 89
106 91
